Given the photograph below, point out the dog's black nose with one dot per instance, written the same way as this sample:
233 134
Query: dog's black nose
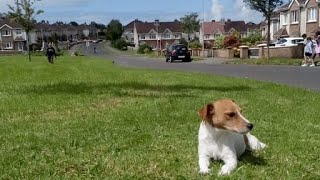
250 126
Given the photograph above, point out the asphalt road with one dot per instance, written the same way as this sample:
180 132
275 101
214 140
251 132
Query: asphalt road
304 77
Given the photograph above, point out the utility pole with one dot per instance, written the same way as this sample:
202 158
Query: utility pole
157 24
203 28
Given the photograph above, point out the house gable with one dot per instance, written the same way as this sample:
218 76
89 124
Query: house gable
217 31
5 25
167 31
152 31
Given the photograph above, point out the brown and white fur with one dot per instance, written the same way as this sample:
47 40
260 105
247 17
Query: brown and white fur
224 135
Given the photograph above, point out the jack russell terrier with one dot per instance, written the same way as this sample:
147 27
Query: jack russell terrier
224 135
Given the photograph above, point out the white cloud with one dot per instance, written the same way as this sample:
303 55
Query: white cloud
216 10
244 12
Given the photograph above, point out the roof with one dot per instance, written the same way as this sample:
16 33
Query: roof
239 26
275 15
61 27
281 33
226 26
10 23
210 27
131 24
146 27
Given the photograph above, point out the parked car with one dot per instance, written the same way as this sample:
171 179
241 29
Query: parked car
293 41
177 52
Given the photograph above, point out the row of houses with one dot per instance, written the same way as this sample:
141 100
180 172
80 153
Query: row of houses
14 38
295 18
161 34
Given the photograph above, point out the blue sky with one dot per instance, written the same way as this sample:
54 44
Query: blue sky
102 11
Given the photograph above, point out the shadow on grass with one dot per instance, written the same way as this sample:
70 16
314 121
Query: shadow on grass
252 159
125 89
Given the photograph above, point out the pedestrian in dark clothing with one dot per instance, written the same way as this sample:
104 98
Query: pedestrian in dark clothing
51 52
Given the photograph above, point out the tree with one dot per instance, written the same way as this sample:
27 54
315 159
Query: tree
24 13
114 30
266 7
54 38
190 24
73 23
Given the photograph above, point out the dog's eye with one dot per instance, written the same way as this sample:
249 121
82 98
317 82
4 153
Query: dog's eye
232 114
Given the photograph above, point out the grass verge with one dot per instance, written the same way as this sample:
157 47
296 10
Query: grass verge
88 118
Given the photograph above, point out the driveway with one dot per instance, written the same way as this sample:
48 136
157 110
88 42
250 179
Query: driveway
304 77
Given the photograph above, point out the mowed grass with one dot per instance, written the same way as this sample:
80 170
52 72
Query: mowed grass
86 118
271 61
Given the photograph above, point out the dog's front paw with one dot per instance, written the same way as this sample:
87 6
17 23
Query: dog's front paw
204 171
258 146
225 170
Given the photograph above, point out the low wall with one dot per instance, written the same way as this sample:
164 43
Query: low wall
277 52
223 53
285 52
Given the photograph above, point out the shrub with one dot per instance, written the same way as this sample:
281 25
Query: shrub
120 44
236 52
208 45
219 42
232 41
183 41
252 38
195 44
147 51
142 48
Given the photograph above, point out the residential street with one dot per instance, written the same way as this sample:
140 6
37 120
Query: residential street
305 77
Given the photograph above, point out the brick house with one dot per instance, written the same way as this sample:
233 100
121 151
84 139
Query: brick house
296 18
156 34
12 36
215 29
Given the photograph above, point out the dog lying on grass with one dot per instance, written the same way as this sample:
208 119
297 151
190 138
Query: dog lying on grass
224 135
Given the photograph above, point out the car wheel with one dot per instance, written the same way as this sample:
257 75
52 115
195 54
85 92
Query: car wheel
171 59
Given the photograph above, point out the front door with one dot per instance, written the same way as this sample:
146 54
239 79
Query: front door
20 46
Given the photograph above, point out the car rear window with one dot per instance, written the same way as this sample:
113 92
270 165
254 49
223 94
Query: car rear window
181 47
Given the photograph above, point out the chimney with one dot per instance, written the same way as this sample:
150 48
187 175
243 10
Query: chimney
223 21
229 20
213 20
136 20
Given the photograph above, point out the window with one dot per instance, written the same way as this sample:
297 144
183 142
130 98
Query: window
131 31
143 36
6 33
217 35
18 32
294 16
285 19
7 46
312 14
207 36
152 36
167 36
176 36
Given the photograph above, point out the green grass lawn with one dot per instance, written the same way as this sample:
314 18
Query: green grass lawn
90 119
271 61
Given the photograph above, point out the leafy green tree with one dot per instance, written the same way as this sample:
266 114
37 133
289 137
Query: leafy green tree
24 13
73 23
190 24
266 7
114 30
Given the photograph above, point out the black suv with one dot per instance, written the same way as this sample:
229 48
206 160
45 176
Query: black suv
178 52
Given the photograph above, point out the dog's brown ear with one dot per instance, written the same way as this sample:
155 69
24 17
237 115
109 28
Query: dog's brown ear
206 112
